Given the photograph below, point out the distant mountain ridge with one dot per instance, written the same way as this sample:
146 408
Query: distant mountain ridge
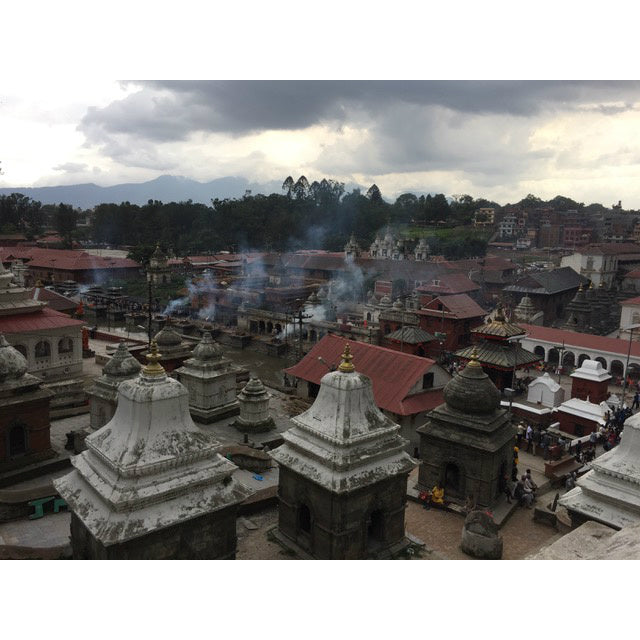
165 188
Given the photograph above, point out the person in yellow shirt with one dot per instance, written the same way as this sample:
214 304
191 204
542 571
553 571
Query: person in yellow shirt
437 495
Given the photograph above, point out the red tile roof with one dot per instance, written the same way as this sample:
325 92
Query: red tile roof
66 259
633 274
459 305
450 283
631 301
393 373
37 321
584 341
610 249
53 299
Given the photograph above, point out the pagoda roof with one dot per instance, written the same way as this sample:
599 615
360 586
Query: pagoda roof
500 356
499 327
411 335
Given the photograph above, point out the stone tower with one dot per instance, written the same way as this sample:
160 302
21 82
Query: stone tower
467 442
254 408
103 396
525 310
343 473
352 248
158 271
151 484
211 381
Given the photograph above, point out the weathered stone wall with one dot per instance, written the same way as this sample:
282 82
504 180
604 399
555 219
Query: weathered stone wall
340 523
209 537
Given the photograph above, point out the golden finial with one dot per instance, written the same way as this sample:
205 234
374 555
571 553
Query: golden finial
581 288
474 361
591 285
499 317
345 365
153 366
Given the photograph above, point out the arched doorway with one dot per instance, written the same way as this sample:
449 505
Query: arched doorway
540 352
569 359
43 349
375 530
554 356
304 518
617 369
269 327
17 441
582 358
261 326
634 371
452 479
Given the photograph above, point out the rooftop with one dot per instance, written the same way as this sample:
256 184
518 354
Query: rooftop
392 373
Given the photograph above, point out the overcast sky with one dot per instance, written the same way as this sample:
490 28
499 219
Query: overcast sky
495 139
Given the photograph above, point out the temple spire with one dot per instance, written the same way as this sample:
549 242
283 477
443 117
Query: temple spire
346 366
153 366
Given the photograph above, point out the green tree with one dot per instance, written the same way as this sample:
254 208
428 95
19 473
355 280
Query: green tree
65 221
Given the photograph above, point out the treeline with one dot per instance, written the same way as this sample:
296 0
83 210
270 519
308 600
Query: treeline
317 214
304 215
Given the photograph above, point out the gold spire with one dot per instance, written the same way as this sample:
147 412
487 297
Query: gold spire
499 317
591 285
345 365
581 288
153 366
474 360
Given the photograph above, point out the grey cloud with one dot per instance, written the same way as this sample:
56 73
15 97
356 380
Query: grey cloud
170 110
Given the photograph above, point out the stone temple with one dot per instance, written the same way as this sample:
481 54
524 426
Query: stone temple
610 492
343 474
151 484
103 396
467 442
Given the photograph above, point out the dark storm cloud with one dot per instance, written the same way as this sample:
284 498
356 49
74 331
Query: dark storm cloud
164 111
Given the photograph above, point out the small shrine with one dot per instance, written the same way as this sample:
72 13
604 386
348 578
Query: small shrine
498 351
343 473
610 492
103 395
210 380
545 391
525 311
588 406
467 443
174 349
151 484
24 412
254 408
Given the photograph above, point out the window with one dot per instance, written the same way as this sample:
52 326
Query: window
65 346
427 380
43 349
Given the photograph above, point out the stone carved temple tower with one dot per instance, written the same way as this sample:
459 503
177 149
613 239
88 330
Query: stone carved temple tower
103 396
211 381
254 408
467 442
610 492
343 473
151 484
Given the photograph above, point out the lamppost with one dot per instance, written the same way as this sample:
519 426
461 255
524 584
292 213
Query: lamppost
630 329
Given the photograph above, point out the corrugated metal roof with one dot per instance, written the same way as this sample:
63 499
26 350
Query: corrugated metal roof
549 282
392 373
503 356
37 321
